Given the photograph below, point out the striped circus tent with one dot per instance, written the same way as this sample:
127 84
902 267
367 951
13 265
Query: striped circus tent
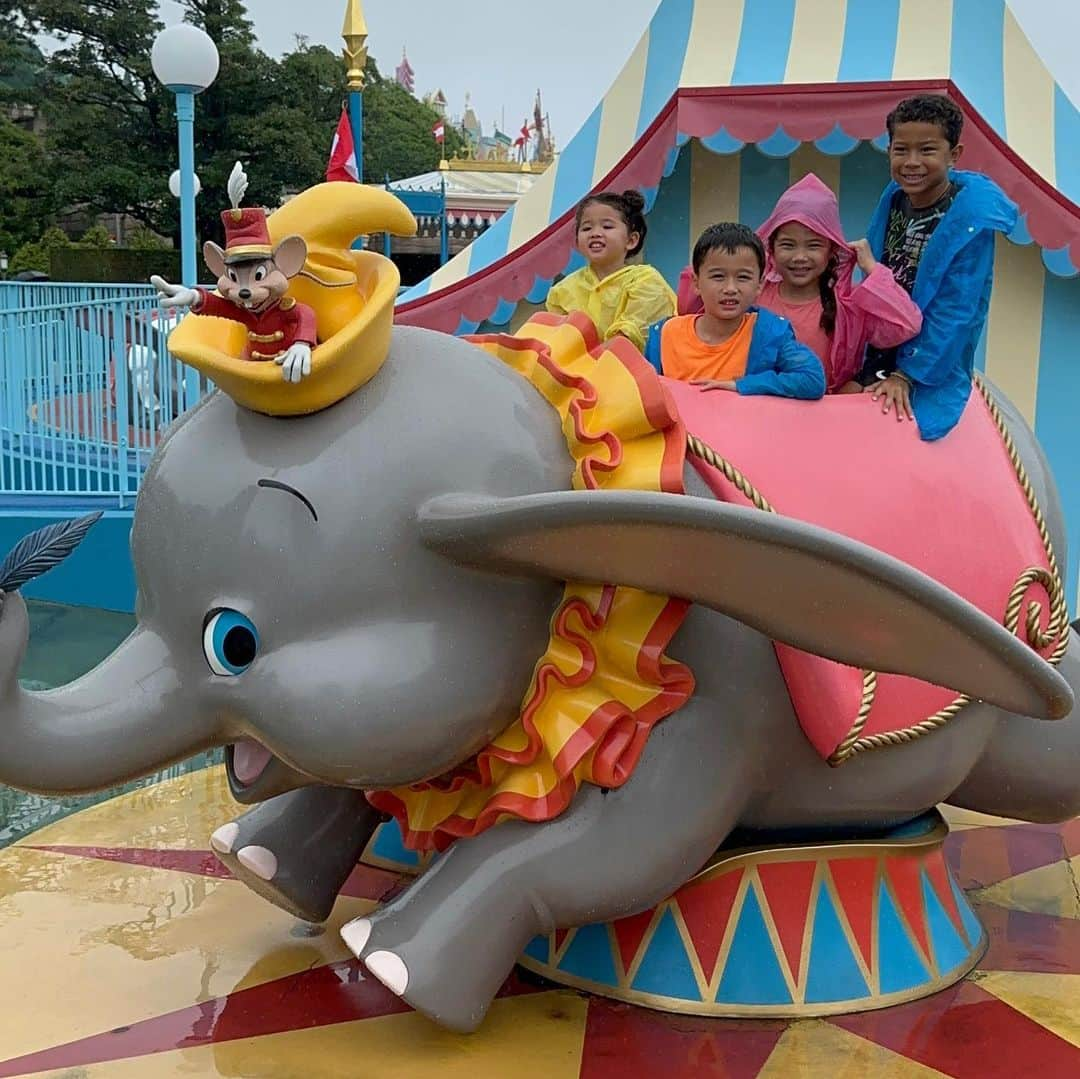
724 103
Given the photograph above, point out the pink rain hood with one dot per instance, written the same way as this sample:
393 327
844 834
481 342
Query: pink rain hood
878 309
811 203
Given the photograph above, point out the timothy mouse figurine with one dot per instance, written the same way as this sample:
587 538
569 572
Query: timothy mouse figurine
253 278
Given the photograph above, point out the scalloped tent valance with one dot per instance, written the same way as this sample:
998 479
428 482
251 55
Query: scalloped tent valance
797 71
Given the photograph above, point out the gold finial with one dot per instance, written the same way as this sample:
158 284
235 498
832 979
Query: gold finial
355 35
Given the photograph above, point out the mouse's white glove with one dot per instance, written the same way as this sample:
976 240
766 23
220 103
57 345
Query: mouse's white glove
174 295
296 363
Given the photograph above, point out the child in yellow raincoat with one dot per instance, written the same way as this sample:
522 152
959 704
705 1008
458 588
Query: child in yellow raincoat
621 300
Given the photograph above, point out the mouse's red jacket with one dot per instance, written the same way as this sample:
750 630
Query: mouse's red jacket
270 332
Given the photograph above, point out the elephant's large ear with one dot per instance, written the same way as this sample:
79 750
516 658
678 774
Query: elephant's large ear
793 582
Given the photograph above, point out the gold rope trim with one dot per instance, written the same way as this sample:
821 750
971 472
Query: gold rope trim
1057 628
731 473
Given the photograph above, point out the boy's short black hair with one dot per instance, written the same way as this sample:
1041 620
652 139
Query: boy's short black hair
928 109
728 236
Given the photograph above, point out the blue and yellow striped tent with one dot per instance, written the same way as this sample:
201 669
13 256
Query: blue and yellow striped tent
724 103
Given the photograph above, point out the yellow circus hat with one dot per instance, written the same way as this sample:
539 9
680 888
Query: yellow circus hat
351 292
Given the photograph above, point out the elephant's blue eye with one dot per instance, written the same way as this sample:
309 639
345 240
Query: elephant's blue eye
230 642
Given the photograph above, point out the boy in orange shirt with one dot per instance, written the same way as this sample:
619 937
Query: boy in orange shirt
734 345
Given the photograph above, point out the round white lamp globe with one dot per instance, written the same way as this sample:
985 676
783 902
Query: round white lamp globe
184 58
174 184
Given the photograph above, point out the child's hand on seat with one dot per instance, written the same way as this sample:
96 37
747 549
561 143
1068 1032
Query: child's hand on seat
896 390
713 384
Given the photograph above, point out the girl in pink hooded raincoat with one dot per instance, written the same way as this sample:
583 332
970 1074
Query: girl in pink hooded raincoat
808 280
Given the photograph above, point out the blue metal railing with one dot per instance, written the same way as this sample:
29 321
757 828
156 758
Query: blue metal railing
86 388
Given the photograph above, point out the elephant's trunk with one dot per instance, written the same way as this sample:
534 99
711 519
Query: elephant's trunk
123 719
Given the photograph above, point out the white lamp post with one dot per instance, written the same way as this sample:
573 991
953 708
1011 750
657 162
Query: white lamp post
185 60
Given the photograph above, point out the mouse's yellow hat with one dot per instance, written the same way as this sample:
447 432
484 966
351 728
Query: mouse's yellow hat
351 292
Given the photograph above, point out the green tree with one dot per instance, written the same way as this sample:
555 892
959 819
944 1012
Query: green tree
36 255
97 236
112 127
108 119
22 67
27 195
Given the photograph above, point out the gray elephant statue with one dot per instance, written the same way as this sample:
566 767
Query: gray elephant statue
354 600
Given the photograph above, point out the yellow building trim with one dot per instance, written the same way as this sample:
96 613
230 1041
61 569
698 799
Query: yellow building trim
1029 101
1014 325
714 189
714 43
817 40
923 39
533 213
808 158
618 121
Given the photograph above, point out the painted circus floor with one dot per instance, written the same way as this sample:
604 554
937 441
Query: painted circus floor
128 951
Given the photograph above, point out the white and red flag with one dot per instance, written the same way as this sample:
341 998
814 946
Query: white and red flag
342 164
439 131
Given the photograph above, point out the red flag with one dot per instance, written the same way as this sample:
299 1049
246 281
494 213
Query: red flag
342 164
523 137
439 131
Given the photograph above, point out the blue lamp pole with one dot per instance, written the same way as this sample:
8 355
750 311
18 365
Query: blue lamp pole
185 60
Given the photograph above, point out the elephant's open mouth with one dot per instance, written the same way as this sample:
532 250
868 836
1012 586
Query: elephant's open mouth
255 774
249 760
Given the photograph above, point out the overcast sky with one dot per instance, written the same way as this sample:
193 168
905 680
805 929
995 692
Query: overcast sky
503 51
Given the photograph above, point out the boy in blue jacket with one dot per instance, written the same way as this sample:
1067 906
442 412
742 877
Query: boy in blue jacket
934 228
733 345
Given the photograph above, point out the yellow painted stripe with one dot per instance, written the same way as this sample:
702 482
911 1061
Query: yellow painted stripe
457 269
714 42
1014 325
532 214
618 121
714 189
808 158
817 39
923 39
1029 101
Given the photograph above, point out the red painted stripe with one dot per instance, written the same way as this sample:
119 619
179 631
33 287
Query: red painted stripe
623 1042
1031 942
983 856
365 882
326 996
967 1033
204 863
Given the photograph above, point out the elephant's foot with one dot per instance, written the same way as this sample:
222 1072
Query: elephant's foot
298 849
451 981
258 868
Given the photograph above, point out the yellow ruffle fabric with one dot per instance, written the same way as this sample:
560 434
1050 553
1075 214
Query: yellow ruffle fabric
603 682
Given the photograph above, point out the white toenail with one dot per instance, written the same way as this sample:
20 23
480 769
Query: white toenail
259 860
223 839
390 970
355 934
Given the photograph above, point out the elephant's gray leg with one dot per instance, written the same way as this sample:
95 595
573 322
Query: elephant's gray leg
1030 770
450 940
298 849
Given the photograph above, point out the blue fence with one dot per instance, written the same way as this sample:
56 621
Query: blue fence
87 388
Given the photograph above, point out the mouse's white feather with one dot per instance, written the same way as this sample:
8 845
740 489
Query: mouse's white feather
238 185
